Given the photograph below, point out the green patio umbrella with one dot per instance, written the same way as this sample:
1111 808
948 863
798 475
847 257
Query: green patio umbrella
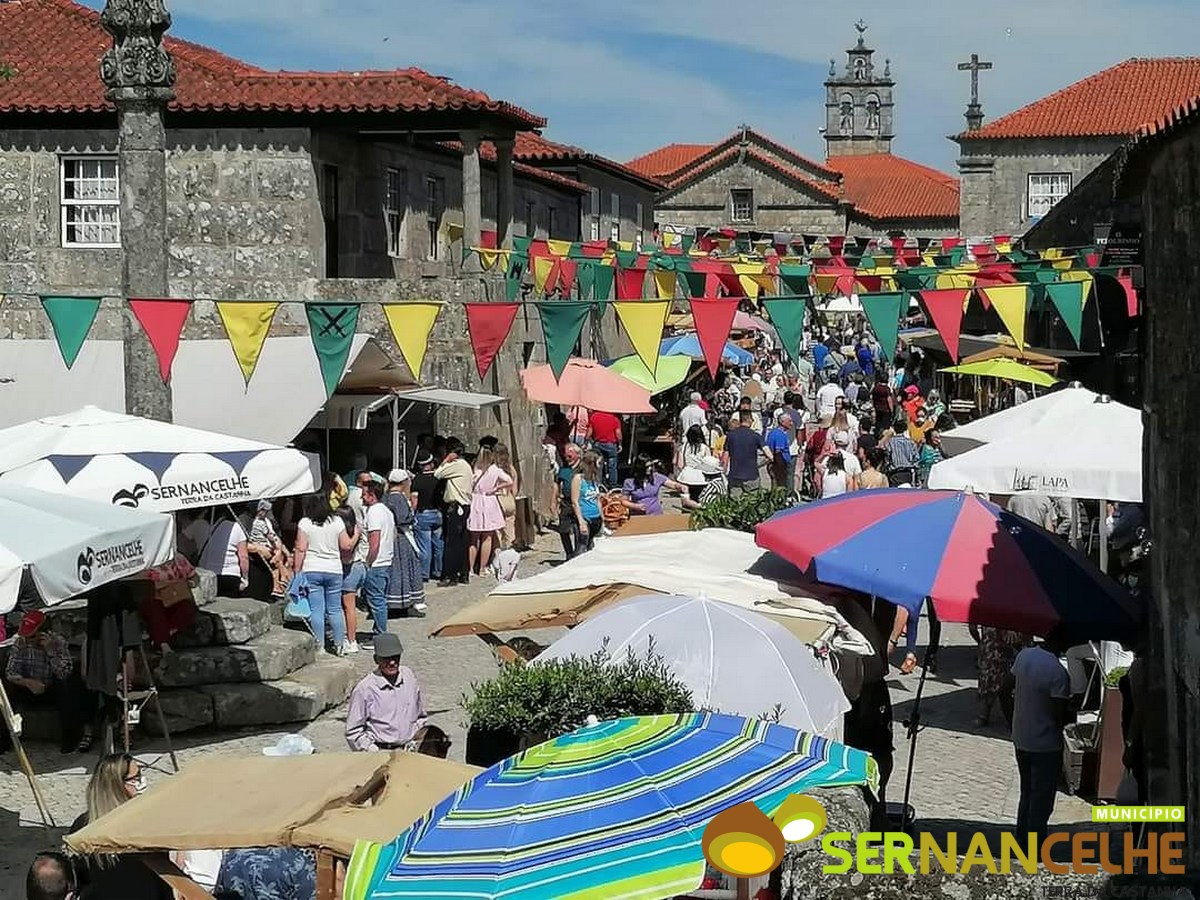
1005 368
672 370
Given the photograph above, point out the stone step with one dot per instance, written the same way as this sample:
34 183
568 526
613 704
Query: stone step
204 587
300 697
226 621
268 657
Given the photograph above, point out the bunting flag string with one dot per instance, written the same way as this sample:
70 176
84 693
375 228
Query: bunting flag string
945 309
562 324
631 283
247 324
71 319
643 321
332 327
788 318
488 325
713 320
884 312
1069 298
162 321
411 325
1011 302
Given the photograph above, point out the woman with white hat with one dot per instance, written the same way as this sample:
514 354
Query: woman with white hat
705 483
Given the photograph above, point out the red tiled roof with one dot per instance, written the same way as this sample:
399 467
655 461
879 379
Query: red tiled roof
532 146
758 156
666 161
487 152
883 186
1121 101
55 48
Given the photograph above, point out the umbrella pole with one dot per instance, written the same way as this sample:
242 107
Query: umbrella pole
914 726
23 760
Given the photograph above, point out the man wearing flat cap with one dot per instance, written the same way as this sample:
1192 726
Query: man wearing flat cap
386 708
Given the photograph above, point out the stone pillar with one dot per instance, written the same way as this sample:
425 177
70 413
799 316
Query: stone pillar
472 199
504 192
140 77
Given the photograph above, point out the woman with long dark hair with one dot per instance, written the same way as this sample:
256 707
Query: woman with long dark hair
585 500
321 538
643 489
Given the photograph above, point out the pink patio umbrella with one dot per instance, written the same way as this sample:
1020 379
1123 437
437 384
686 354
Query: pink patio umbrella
586 383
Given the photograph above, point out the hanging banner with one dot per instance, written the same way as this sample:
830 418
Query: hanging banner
1011 302
567 269
1131 297
562 324
489 257
631 283
644 321
411 325
488 324
332 327
543 266
664 284
945 309
162 320
585 278
695 283
605 275
71 318
713 320
796 279
247 326
1069 298
559 248
787 315
884 312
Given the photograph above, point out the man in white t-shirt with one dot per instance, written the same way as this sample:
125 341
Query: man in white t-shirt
225 552
381 544
692 414
850 463
1041 694
827 399
354 573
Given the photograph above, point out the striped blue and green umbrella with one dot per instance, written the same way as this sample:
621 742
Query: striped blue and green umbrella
614 810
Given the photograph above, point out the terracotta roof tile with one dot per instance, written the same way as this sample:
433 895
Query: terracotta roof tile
533 147
55 47
487 152
1120 101
758 156
666 161
882 186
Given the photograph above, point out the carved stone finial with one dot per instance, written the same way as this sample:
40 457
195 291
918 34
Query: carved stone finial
861 27
137 67
832 67
887 68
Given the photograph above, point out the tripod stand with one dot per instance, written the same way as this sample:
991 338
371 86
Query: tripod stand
133 701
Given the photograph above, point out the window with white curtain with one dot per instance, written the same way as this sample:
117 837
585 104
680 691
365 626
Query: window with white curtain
394 207
91 202
1045 190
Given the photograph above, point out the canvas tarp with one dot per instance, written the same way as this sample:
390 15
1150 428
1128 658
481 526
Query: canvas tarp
221 803
716 563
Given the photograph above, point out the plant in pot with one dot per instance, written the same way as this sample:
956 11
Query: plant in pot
524 705
741 512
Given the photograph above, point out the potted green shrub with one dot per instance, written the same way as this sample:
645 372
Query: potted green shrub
741 512
524 705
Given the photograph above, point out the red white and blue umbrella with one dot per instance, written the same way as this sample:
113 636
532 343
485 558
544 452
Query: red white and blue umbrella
976 562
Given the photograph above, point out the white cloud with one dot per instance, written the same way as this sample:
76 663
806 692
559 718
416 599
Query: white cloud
616 95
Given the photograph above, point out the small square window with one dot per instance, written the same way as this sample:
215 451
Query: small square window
91 202
1045 190
742 205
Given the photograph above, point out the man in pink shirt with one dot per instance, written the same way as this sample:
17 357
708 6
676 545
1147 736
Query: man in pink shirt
386 708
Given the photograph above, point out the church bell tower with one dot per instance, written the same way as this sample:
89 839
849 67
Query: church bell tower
858 103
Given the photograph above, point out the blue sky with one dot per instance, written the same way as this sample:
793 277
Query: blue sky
622 77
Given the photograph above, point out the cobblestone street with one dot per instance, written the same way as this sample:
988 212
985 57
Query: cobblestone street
965 777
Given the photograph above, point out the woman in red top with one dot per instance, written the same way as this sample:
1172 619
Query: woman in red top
604 433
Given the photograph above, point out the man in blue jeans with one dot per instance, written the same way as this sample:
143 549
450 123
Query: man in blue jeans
381 544
428 517
604 431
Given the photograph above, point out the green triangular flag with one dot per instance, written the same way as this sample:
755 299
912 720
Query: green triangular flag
693 283
514 276
788 318
562 323
686 241
71 318
883 312
1067 297
604 281
521 244
627 259
585 279
866 262
332 326
795 279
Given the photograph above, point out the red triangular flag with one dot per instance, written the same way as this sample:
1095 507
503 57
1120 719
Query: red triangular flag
945 309
731 281
630 283
566 275
949 243
1131 297
162 320
837 243
488 324
713 319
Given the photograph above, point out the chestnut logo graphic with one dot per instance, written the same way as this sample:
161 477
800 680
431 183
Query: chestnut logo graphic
743 843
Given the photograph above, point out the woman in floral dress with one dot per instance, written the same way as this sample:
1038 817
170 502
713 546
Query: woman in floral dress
998 648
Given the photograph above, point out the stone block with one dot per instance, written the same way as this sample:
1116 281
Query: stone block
270 657
226 621
271 223
185 710
15 177
284 179
300 697
204 587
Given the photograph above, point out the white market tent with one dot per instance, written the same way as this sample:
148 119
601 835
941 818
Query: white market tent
1071 443
141 463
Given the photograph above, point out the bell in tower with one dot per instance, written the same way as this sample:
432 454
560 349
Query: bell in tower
858 103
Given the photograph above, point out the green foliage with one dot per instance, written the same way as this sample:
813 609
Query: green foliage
1113 679
556 697
741 512
7 71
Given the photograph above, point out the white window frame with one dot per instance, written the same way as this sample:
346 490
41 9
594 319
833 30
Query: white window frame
734 205
435 190
395 205
640 233
594 213
614 231
1044 190
67 204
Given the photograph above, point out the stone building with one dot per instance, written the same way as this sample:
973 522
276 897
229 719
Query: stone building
285 186
1014 170
751 182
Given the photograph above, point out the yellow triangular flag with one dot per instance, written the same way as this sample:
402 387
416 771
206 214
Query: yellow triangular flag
664 283
1086 277
559 248
669 239
247 325
542 266
625 246
644 321
960 281
1011 301
411 325
489 256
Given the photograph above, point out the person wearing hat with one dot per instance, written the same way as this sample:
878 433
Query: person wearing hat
406 585
426 493
705 483
386 708
40 670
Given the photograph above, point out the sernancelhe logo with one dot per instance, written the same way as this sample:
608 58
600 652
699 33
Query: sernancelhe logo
744 843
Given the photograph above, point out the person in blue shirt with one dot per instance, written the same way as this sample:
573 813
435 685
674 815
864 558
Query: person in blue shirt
779 442
866 360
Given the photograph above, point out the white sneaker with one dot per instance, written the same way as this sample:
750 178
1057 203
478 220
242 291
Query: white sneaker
351 646
420 607
348 647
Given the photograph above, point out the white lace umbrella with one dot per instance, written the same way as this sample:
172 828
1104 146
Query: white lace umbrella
732 659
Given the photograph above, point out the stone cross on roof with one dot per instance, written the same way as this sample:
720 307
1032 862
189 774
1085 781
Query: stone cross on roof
974 113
